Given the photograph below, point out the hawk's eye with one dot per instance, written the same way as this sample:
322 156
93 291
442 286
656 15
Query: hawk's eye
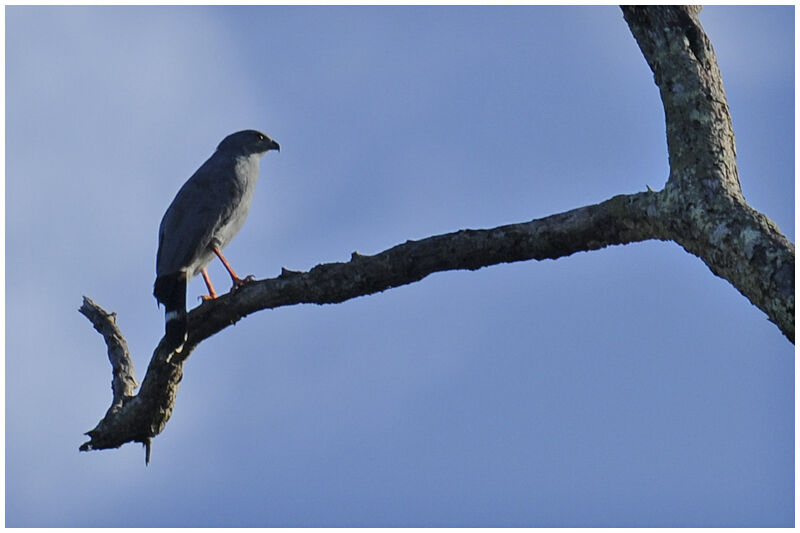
260 137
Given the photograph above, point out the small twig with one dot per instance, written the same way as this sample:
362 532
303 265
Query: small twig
123 374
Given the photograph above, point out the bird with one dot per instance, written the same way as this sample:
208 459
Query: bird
206 214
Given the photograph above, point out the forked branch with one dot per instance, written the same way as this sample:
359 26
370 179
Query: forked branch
701 208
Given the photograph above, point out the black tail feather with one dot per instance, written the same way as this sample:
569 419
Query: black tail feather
170 290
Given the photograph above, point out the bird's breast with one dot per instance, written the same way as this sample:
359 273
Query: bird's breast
245 176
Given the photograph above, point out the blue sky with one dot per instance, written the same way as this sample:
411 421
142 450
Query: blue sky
623 387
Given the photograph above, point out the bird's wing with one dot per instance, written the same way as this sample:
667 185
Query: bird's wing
200 208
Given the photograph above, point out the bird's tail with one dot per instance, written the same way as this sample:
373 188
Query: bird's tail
170 290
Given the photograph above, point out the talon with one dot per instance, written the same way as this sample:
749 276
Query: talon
239 282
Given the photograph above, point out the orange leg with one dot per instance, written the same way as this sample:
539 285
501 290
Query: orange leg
211 293
237 281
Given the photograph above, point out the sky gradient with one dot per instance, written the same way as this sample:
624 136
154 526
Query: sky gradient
623 387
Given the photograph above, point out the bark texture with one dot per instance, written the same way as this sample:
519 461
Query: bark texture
701 208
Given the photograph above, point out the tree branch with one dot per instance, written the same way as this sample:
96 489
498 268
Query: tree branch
701 208
709 216
619 220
